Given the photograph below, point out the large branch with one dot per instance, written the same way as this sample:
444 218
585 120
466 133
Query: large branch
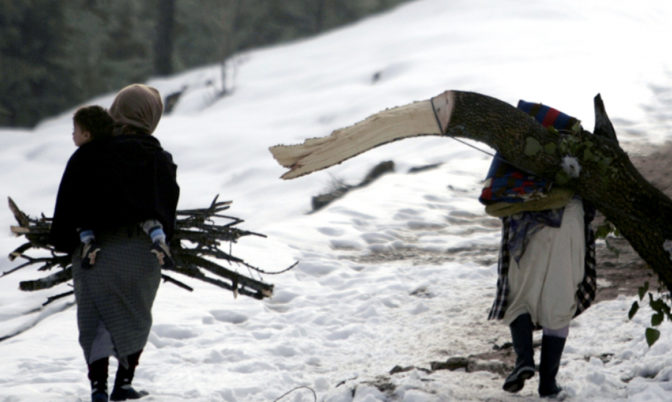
389 125
607 178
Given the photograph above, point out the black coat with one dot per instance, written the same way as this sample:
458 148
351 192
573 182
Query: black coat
112 183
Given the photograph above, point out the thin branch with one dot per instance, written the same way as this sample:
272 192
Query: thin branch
47 282
167 278
261 271
296 389
52 299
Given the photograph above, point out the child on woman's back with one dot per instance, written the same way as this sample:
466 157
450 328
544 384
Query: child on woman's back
94 123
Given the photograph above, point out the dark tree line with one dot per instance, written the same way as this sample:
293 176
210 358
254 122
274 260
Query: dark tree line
56 54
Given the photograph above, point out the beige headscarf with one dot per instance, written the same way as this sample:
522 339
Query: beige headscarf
139 106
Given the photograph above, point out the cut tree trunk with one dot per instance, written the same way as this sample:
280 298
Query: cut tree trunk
607 178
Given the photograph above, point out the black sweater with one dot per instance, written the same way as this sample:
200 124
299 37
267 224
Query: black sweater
113 183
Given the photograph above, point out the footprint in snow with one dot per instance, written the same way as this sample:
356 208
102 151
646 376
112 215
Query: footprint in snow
328 231
228 316
171 331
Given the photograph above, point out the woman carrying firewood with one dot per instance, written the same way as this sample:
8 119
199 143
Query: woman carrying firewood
547 259
112 186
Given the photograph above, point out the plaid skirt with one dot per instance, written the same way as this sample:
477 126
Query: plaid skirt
115 297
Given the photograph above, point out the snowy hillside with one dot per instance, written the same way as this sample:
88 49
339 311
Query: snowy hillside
401 272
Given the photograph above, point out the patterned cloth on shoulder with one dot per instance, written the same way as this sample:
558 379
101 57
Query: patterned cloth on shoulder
508 184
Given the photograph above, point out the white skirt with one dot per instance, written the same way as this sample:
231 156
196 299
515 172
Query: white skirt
545 281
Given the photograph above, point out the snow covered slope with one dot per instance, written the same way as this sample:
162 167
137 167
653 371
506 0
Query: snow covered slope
401 272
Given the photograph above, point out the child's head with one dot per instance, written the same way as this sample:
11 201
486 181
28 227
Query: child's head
91 123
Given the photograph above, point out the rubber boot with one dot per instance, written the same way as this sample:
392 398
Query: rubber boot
551 352
122 383
521 335
98 378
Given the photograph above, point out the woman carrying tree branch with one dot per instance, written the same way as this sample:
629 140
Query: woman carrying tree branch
547 259
111 186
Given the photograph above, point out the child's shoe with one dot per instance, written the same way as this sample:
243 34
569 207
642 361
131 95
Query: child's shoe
90 250
162 252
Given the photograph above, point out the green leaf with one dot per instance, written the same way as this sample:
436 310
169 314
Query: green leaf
576 128
658 305
532 146
633 310
643 289
550 148
652 336
603 231
656 319
561 178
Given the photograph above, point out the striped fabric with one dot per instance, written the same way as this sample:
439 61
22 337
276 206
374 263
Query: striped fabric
548 116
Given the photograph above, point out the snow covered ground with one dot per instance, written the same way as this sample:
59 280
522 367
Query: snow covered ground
401 272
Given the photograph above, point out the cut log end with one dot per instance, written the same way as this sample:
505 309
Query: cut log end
20 217
443 105
411 120
19 230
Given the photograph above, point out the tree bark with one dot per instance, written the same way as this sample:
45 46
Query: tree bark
607 178
163 45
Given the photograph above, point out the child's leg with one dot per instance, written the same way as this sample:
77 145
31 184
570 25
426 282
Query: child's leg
159 248
154 230
86 235
89 248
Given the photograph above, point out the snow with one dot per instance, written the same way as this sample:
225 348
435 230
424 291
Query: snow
401 272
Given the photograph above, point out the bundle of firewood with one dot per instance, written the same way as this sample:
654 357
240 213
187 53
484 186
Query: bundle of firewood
196 247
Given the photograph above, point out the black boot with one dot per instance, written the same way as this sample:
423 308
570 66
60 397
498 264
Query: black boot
98 378
122 383
551 352
521 335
